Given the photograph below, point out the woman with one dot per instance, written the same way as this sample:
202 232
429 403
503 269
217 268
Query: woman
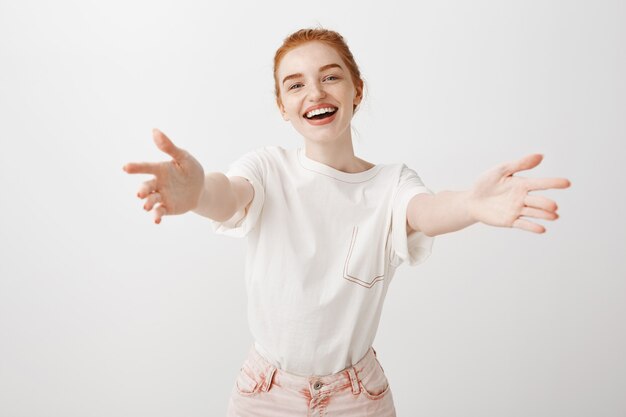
326 232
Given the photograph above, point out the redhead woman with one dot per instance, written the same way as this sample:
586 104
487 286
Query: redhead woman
326 232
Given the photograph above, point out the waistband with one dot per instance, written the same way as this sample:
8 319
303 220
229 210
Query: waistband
316 384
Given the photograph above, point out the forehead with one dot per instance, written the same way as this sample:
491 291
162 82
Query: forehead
308 57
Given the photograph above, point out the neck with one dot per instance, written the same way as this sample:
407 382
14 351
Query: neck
337 153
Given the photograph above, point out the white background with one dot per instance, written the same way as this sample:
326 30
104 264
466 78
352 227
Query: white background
103 313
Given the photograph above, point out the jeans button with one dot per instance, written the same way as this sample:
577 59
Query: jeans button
317 385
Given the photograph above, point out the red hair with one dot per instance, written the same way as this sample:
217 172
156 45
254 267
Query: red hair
328 37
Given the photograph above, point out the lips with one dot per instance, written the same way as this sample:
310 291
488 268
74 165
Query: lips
318 106
324 121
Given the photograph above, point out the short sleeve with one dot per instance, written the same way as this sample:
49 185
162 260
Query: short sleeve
251 167
416 247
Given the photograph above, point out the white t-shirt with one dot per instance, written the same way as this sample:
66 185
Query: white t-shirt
323 246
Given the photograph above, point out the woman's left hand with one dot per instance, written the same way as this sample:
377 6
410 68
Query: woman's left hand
500 199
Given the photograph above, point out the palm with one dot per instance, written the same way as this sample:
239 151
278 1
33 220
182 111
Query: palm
180 183
500 199
177 184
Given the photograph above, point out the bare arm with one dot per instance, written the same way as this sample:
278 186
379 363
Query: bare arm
497 198
179 185
222 196
437 214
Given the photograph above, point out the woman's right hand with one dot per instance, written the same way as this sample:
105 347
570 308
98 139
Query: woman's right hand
177 184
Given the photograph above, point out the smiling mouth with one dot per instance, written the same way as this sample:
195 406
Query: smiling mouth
322 115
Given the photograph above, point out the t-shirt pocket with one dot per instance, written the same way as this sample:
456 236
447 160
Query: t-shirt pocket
365 260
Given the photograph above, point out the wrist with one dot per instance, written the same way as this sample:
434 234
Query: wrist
471 206
203 199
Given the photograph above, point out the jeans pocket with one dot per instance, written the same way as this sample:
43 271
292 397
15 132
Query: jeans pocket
247 383
375 384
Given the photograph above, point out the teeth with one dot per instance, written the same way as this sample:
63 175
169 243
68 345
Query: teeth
319 111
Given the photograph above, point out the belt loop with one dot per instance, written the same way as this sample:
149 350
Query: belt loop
356 389
267 384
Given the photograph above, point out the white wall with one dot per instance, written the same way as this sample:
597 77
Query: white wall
103 313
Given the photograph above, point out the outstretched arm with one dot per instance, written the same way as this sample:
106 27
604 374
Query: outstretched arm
497 198
180 185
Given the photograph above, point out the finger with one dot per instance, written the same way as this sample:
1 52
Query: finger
539 214
151 201
141 168
159 212
166 145
147 188
527 162
540 202
528 226
546 183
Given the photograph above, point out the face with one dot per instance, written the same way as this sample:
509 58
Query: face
314 79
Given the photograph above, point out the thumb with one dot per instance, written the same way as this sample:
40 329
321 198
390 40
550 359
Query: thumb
527 162
166 145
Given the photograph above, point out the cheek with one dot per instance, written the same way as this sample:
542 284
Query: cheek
292 106
346 94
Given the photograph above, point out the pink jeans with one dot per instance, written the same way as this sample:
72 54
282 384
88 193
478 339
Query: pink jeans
262 390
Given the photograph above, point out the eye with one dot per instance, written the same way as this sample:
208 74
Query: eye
331 78
293 86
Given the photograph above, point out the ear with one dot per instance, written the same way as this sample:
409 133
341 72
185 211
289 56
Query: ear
283 113
358 96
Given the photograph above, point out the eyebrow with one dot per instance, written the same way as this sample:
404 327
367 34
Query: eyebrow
324 68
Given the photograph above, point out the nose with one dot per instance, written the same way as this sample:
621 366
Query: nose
316 92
